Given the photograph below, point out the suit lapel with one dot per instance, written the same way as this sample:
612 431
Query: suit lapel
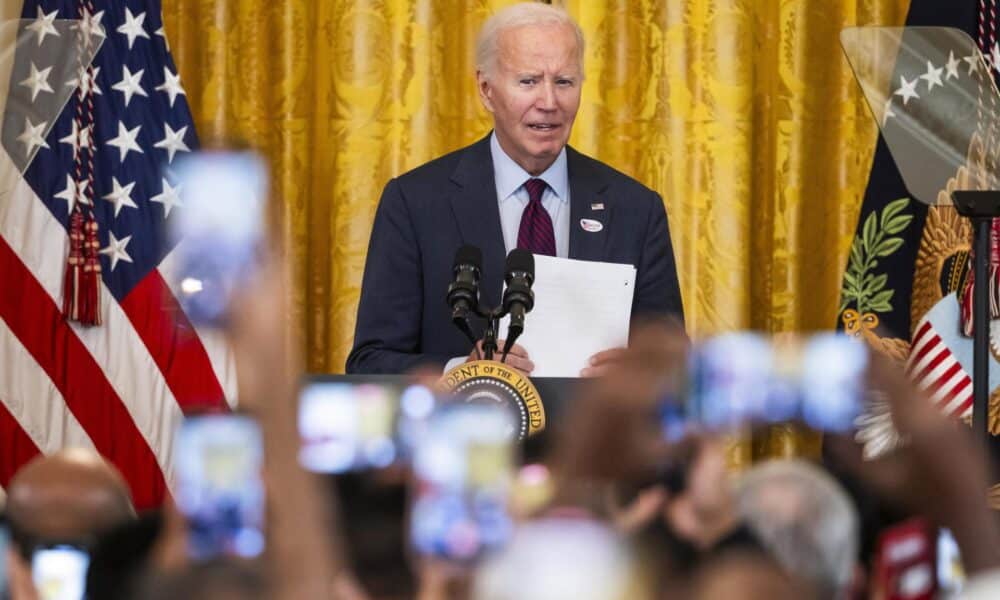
478 215
590 207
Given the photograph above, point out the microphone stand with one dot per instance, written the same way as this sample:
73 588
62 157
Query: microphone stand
492 325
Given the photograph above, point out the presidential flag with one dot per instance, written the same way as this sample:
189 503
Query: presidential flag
907 287
120 386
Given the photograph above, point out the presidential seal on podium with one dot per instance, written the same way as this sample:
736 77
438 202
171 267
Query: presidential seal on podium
494 383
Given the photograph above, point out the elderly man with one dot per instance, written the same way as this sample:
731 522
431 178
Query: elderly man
806 520
69 497
519 187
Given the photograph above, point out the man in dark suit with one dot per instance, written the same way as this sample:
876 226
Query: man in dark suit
521 186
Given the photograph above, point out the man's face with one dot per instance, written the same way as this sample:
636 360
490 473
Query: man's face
533 92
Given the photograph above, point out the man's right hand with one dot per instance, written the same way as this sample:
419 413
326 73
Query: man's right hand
516 358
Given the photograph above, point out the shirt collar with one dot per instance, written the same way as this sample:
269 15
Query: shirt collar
510 176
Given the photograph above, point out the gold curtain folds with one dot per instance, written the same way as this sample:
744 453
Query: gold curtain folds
742 113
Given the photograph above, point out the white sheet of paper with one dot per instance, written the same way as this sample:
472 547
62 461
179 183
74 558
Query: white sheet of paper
581 308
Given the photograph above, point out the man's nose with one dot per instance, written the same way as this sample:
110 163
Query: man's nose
546 96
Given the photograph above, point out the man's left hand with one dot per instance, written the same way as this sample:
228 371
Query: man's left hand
602 361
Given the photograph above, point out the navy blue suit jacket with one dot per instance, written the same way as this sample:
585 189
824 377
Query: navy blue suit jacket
425 215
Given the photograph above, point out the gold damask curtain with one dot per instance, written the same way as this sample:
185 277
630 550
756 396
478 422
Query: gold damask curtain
742 113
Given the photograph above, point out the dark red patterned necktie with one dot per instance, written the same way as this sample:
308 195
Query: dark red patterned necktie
536 233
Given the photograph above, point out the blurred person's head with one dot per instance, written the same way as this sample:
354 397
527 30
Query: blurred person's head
213 580
69 497
553 558
738 575
805 520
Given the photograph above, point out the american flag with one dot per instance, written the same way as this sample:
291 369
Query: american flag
120 387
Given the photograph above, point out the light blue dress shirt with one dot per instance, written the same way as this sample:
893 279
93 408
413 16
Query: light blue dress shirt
513 198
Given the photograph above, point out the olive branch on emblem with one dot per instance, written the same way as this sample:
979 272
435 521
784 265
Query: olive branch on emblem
862 285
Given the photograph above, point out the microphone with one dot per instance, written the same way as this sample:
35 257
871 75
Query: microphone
518 299
463 292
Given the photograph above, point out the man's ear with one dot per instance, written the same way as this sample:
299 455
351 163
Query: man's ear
485 89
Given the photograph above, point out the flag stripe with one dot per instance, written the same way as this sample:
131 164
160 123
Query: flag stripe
16 447
936 384
37 322
173 343
930 363
920 343
33 400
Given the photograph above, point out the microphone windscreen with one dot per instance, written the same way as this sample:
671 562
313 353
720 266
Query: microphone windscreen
469 255
520 259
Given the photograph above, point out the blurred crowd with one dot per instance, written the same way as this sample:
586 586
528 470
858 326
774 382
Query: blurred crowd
613 509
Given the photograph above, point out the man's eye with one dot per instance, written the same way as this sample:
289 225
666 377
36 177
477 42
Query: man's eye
565 82
527 81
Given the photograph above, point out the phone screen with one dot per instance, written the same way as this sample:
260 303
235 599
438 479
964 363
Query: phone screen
60 572
744 378
219 487
951 574
218 230
349 427
464 468
832 381
731 377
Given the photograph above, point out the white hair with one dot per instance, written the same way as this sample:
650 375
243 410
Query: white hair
805 519
558 559
520 15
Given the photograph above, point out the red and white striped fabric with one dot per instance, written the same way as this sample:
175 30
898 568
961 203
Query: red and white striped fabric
934 367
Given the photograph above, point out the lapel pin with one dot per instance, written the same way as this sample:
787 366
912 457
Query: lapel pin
591 225
597 206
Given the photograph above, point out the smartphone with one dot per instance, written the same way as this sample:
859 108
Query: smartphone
220 492
832 382
731 377
950 572
350 427
217 231
59 572
746 378
463 470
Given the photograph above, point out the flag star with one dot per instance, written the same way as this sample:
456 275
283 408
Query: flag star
126 140
130 84
121 196
171 85
44 25
995 55
87 81
951 66
115 250
74 192
38 81
163 34
973 60
932 76
887 112
32 136
173 141
169 198
133 27
71 139
90 25
908 90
